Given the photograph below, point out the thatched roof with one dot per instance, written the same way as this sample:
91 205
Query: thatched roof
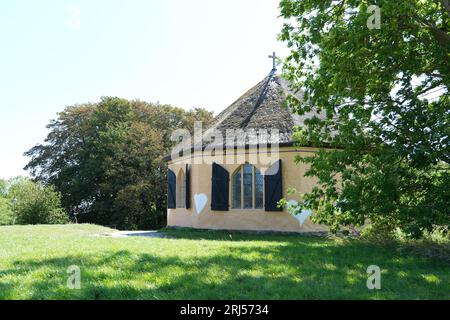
262 107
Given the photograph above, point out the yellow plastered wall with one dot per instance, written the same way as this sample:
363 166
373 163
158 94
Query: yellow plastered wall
240 219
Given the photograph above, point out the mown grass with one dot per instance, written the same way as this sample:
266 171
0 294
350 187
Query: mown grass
207 265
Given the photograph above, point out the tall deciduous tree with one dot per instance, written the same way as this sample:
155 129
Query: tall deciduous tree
385 93
107 159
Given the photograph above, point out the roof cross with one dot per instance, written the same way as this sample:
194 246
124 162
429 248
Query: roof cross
274 61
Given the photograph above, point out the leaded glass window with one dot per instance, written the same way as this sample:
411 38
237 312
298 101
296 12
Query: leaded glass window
247 188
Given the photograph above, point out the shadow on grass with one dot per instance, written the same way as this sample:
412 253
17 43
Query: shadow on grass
289 268
236 235
422 248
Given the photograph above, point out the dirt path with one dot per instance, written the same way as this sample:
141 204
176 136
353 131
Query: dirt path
148 234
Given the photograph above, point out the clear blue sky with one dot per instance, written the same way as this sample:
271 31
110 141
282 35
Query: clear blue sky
198 53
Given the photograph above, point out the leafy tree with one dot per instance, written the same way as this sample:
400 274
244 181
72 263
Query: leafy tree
6 213
107 159
36 204
3 188
385 96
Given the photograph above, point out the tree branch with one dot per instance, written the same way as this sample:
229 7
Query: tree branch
442 37
445 4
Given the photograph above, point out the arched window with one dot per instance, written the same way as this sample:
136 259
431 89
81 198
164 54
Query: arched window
181 190
247 185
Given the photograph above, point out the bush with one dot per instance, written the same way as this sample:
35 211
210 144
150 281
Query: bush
6 213
36 204
3 188
434 244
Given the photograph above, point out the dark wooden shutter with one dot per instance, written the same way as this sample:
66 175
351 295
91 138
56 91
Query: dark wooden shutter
188 186
219 188
273 187
171 190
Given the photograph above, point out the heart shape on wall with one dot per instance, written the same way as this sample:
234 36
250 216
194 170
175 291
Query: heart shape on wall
305 214
200 202
292 208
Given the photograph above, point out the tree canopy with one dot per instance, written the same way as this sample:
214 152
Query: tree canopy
385 93
107 159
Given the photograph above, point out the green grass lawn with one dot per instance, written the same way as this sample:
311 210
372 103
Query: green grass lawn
207 265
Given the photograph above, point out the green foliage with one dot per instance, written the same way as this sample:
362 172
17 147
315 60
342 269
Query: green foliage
34 203
6 215
3 188
107 159
385 96
6 212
